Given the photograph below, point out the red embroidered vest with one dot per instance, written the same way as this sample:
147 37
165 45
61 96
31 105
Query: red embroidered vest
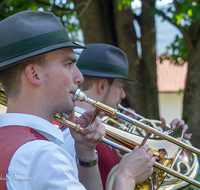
11 138
107 159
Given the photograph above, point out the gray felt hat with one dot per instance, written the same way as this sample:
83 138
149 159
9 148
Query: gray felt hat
30 33
103 60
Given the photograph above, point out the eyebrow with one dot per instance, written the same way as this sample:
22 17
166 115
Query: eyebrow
65 59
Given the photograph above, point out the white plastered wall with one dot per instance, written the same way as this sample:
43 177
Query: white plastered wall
170 105
2 109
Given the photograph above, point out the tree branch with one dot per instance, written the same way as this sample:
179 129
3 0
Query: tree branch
136 17
176 4
84 9
185 35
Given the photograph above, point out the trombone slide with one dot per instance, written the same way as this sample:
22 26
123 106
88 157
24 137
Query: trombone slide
80 96
126 150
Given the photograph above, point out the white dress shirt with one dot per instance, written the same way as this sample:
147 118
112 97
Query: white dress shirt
40 164
68 144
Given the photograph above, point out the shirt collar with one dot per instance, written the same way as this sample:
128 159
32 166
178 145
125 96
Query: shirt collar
50 131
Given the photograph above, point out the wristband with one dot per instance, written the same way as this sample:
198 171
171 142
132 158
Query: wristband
87 163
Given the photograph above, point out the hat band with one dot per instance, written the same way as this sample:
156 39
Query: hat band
101 67
32 44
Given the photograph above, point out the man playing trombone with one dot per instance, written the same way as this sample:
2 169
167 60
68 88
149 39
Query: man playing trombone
40 78
105 69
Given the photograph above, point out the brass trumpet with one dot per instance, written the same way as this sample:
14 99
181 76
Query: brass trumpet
116 137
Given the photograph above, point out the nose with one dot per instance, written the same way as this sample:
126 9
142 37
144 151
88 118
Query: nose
122 94
78 79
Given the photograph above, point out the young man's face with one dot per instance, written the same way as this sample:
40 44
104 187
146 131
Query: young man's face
61 79
115 93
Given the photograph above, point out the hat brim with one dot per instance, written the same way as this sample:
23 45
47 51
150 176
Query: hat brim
105 75
15 60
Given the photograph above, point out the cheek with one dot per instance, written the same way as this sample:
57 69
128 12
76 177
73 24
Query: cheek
118 94
58 80
113 101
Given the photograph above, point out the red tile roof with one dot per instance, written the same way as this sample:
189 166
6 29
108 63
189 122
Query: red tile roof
170 77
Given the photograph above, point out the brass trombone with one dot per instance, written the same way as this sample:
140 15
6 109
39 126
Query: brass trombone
152 122
80 96
124 142
135 114
185 161
116 137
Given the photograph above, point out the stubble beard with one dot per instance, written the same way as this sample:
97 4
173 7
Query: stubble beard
70 107
66 107
105 97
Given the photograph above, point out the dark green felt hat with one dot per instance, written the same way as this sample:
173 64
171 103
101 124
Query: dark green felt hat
103 60
30 33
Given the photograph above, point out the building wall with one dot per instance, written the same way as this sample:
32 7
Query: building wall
170 105
2 109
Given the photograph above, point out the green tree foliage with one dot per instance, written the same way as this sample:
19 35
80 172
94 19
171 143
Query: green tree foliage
182 13
61 8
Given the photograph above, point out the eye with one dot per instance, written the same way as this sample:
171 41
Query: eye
69 64
121 86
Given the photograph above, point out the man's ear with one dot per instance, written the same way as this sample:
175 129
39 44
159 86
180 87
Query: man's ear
102 86
31 72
